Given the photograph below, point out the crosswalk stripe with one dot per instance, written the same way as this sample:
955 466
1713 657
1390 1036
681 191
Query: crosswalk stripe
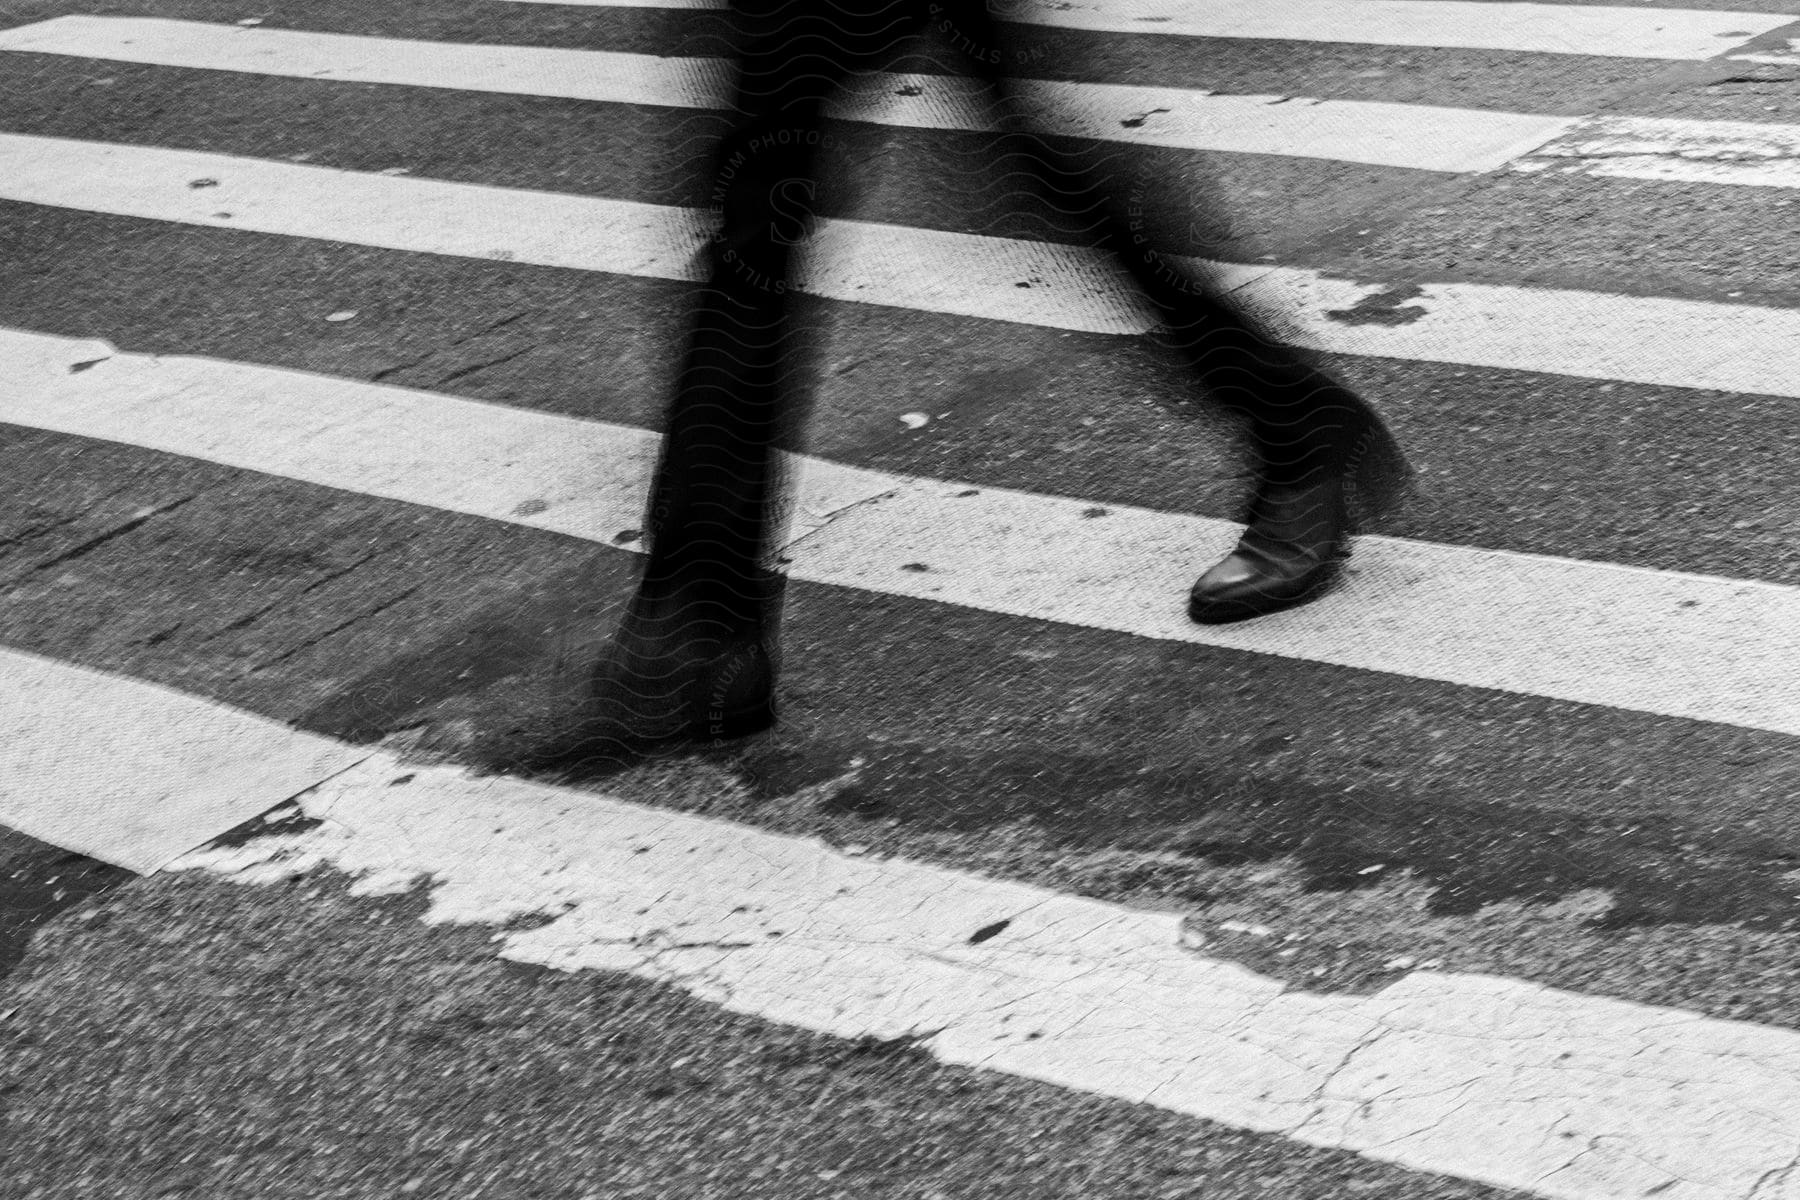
598 75
1555 1093
1416 136
1666 342
134 774
1423 137
1670 643
1614 31
1670 150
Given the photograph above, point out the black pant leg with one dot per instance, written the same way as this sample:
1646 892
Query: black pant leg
713 498
1301 421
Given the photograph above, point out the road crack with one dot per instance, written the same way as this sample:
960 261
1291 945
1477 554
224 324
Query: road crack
310 642
134 522
831 516
250 619
464 372
387 373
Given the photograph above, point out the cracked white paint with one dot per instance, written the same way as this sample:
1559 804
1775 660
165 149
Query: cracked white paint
1678 343
1609 30
1671 150
1672 643
1423 137
1559 1094
134 774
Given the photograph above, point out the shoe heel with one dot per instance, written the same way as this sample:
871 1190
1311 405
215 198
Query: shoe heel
739 695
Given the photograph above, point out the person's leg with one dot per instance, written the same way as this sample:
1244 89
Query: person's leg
695 653
1324 457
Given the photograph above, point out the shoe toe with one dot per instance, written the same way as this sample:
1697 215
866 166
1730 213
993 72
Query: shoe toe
724 693
1238 589
1229 573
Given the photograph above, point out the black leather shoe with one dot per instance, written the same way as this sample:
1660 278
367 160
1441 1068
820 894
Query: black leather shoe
1292 549
1297 535
670 675
707 690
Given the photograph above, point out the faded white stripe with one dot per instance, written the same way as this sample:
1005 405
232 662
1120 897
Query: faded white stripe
1417 136
1554 1093
1422 137
134 774
598 75
1670 643
430 216
1616 31
1677 343
1743 153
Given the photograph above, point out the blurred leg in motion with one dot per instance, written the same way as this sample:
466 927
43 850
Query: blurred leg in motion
695 656
1325 461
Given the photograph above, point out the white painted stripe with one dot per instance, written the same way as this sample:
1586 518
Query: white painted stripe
1744 153
1554 1093
582 478
134 774
1418 136
1610 31
1591 335
1607 31
1676 343
1422 137
1662 642
598 75
1670 643
429 216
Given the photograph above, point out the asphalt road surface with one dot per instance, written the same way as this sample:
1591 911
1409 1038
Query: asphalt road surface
331 337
